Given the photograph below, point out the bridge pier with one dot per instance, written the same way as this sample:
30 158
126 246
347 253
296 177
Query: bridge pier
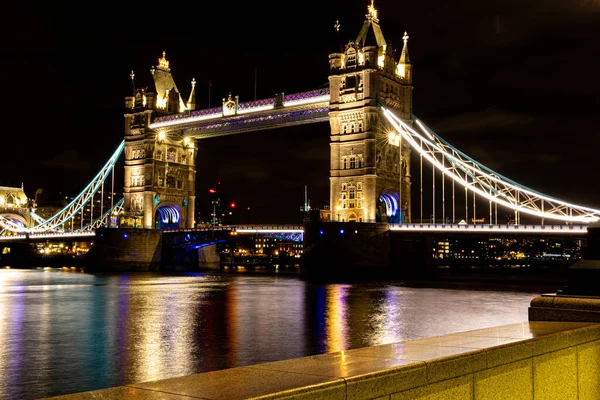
345 250
125 249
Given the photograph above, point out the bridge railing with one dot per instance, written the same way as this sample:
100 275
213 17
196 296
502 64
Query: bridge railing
490 227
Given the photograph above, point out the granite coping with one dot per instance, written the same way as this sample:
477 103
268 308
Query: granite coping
368 372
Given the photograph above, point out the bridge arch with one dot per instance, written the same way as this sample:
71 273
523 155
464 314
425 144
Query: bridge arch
16 219
388 207
167 216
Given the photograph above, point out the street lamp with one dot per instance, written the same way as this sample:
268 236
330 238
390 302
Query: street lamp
395 139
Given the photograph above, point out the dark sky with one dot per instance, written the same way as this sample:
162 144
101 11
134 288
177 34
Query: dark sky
513 84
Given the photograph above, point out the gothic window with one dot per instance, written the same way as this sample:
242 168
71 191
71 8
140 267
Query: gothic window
138 204
351 82
351 58
344 204
359 186
183 159
159 155
352 162
360 162
344 161
170 181
344 187
359 203
344 127
352 128
10 199
160 179
351 196
137 180
171 153
360 126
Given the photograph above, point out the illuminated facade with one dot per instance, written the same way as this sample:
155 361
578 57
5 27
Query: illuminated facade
14 206
370 167
160 167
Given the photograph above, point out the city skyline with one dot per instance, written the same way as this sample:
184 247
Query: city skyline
511 85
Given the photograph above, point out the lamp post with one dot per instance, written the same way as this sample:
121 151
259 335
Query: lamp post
396 140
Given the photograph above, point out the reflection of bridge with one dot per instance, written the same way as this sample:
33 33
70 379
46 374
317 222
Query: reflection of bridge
373 133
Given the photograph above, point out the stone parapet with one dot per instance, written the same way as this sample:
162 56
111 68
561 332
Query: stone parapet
554 360
555 307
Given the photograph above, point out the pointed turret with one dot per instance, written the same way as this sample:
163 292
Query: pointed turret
191 104
132 76
164 83
404 68
130 100
370 33
404 59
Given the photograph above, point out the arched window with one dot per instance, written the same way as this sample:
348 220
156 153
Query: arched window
351 58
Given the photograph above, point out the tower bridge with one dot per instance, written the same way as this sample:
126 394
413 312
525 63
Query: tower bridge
375 143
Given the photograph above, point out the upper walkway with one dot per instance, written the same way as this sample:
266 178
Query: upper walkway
233 117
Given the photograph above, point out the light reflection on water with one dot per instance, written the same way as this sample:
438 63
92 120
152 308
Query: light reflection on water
63 331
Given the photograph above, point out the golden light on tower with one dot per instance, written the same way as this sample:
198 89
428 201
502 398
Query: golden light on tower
372 10
162 62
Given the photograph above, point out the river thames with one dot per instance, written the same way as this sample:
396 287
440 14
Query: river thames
65 331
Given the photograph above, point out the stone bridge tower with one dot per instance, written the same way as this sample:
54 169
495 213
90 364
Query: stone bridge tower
370 168
160 167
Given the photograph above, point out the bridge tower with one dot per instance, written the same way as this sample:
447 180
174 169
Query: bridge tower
370 168
160 167
15 207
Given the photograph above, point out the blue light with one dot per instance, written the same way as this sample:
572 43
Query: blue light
341 231
321 232
125 235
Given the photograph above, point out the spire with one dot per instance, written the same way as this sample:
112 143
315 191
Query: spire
132 76
403 69
372 11
404 59
163 63
191 104
370 33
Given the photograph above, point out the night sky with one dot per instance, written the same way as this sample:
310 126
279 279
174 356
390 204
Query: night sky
513 84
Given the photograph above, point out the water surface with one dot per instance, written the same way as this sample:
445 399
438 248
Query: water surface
68 331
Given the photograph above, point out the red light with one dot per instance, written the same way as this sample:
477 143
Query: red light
212 191
232 205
